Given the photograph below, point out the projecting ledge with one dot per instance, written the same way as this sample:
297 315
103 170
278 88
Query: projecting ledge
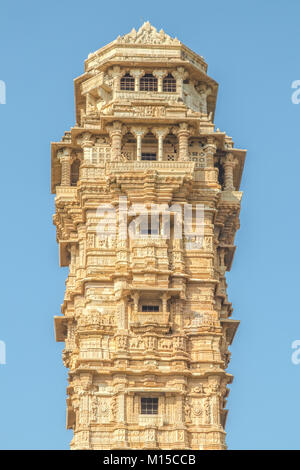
133 390
64 252
232 196
66 192
180 167
60 326
170 290
230 326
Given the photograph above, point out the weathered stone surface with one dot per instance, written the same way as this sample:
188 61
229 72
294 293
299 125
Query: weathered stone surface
147 317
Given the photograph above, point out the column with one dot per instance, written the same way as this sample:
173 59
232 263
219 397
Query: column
221 256
115 132
137 73
210 150
203 90
64 155
164 302
159 74
139 132
180 74
229 163
116 74
136 298
183 141
73 259
160 133
87 141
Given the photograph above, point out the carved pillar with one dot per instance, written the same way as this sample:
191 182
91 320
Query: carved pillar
122 310
86 141
159 74
229 163
164 302
136 297
136 73
64 156
183 141
210 150
90 102
204 90
180 74
116 74
122 408
115 133
160 133
73 258
139 132
222 257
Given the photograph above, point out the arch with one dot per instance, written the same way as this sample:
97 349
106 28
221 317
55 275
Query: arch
148 82
169 84
75 172
127 82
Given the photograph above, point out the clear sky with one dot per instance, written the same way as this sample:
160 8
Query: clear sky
252 50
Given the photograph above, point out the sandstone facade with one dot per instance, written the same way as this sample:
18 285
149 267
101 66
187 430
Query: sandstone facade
146 321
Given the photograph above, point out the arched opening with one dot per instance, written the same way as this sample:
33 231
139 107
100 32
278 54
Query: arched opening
220 173
171 148
128 149
149 147
169 84
75 172
127 82
148 83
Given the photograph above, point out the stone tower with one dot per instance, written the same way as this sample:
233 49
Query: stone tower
145 319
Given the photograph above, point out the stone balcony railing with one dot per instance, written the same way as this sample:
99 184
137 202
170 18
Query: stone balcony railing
96 171
66 192
169 166
150 317
148 420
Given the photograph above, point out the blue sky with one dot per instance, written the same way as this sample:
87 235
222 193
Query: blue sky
252 50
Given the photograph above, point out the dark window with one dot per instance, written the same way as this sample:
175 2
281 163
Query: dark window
169 83
148 82
149 156
150 308
75 172
149 406
221 174
127 82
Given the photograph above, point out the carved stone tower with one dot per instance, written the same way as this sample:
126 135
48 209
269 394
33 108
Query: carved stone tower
146 320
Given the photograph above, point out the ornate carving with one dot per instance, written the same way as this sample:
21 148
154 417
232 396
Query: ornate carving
146 317
147 34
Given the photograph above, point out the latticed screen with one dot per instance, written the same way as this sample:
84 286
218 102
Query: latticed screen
127 82
169 83
148 83
149 406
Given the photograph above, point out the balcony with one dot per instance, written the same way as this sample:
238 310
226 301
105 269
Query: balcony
65 193
150 318
151 420
181 167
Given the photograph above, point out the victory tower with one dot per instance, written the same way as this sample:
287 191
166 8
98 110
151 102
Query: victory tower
146 320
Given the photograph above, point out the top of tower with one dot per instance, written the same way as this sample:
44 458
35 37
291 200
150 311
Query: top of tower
143 41
147 34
